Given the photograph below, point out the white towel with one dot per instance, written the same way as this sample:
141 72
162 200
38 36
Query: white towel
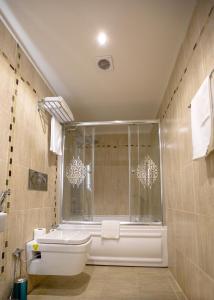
201 120
110 229
211 145
56 137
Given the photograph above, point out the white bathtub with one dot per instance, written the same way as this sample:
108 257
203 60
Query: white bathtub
139 245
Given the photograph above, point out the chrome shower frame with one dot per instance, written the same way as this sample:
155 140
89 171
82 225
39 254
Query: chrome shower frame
73 125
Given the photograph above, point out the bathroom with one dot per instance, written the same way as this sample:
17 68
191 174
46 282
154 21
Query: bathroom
119 205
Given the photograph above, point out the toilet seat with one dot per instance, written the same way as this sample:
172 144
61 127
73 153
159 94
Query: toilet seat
64 237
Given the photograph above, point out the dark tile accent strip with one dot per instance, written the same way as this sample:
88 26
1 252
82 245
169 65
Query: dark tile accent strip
211 11
12 67
194 47
5 56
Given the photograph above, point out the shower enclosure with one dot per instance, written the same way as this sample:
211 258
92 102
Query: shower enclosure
112 170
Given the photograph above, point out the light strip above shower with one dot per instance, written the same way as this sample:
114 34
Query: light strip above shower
117 122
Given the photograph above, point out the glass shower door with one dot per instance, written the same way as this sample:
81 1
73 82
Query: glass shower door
113 175
144 173
78 187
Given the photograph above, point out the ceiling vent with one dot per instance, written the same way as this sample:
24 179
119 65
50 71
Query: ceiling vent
105 63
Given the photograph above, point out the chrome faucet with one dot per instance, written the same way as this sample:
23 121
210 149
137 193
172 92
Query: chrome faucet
3 196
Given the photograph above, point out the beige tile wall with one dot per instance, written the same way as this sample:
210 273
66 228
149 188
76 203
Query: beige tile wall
23 129
189 185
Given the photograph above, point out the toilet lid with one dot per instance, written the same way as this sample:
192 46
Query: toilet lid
64 237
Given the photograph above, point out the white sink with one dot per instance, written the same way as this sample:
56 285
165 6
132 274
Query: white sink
3 217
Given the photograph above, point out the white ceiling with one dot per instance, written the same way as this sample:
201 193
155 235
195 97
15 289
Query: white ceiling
144 40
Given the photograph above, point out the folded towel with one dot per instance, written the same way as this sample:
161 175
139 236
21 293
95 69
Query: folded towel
201 120
110 229
56 137
211 145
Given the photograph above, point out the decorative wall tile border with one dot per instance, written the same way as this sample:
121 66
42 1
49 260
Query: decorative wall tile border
16 69
17 78
167 106
10 152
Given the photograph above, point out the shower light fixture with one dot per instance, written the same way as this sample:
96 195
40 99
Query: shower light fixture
147 172
102 38
76 172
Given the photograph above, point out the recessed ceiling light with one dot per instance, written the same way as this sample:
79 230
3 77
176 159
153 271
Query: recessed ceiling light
102 38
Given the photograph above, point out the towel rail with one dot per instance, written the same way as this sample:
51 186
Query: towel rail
57 107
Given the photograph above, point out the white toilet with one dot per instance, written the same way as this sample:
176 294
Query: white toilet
59 252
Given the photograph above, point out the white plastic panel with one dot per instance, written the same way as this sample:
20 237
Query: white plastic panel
138 246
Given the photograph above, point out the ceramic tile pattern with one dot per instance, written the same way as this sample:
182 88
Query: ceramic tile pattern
189 185
115 283
24 145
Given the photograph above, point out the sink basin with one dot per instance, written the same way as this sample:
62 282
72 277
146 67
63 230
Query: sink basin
3 217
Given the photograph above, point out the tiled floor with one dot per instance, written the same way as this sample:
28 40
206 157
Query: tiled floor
115 283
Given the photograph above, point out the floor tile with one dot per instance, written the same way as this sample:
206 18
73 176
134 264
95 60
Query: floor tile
105 282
